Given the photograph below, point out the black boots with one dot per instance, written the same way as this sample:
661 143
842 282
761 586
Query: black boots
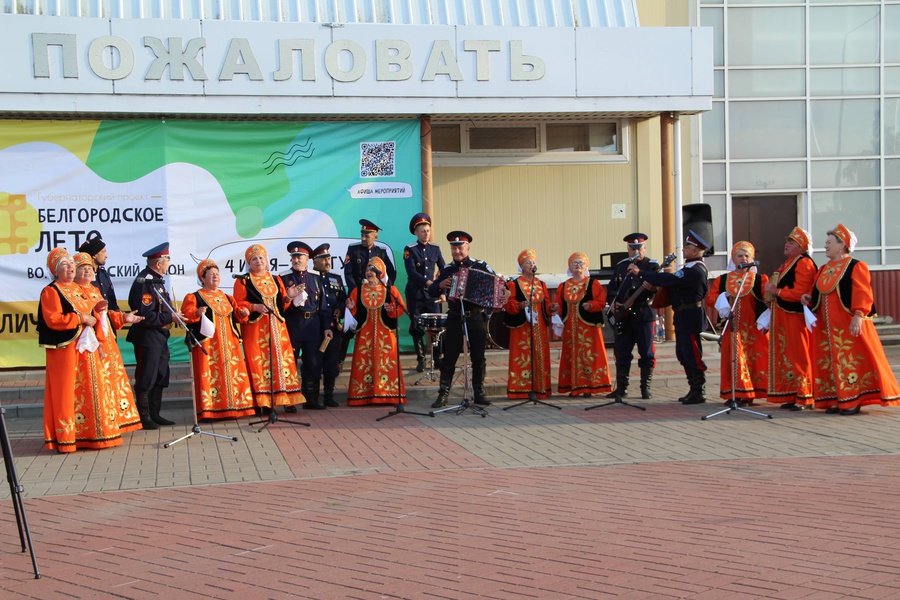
154 397
310 389
621 383
142 402
419 343
328 392
646 379
478 375
697 381
444 390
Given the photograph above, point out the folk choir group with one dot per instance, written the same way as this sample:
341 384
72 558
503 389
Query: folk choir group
802 337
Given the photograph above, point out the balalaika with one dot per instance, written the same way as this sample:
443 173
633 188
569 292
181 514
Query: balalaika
616 318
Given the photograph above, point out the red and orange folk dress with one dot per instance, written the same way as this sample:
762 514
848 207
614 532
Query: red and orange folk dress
583 364
790 368
745 347
375 377
267 347
120 392
221 381
525 375
849 371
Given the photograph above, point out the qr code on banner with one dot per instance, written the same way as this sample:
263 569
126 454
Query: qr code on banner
377 159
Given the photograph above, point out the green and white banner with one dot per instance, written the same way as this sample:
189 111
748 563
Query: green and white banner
208 188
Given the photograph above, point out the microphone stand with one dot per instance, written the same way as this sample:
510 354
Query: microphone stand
195 430
532 397
400 409
273 414
15 492
733 403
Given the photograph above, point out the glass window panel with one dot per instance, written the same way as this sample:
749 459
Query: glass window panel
844 127
892 125
768 175
843 82
712 17
766 83
713 127
713 177
892 80
892 216
719 84
892 175
503 138
858 210
870 257
893 258
843 35
844 173
892 33
767 129
445 138
581 137
717 208
765 36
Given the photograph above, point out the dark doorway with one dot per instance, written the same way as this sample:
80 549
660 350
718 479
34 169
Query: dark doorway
764 221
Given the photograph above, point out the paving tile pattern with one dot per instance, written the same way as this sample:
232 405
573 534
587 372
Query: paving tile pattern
531 502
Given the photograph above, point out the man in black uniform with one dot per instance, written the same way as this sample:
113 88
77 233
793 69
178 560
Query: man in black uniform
687 289
306 319
420 259
634 325
96 247
355 264
462 313
151 336
334 299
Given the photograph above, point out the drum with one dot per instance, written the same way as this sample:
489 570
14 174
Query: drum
433 321
498 332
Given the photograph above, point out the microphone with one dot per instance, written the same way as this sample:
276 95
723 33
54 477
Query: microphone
755 263
239 275
376 271
151 280
534 270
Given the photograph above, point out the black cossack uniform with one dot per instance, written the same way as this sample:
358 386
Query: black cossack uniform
475 318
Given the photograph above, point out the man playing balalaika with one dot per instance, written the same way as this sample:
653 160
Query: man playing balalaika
632 317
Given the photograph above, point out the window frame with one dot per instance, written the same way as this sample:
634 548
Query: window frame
467 157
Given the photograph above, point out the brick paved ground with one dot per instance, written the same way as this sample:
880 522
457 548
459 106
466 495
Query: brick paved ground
527 503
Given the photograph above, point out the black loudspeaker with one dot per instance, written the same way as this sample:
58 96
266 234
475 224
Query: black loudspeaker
698 218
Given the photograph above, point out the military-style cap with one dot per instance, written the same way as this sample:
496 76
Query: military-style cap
92 246
322 251
695 240
368 226
157 251
635 240
299 248
417 220
457 238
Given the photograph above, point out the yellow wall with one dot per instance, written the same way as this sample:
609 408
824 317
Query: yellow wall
556 210
664 13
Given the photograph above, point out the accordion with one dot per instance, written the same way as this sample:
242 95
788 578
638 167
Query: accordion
478 287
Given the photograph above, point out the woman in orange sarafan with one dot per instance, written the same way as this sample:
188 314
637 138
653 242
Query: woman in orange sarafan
64 311
119 385
221 381
850 369
745 347
583 364
527 375
375 377
270 357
